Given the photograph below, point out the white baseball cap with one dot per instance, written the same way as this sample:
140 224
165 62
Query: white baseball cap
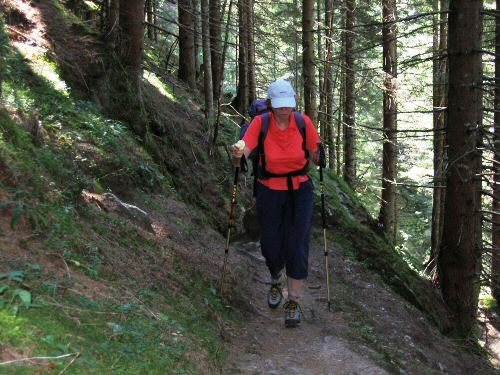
281 94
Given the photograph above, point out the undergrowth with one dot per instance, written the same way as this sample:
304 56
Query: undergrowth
147 332
131 327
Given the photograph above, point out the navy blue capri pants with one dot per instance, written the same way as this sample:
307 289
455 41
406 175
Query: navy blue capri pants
284 239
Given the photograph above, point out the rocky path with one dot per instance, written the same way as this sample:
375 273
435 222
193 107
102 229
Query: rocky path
265 346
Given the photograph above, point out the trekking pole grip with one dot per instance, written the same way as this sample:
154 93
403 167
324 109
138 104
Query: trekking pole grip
238 146
322 155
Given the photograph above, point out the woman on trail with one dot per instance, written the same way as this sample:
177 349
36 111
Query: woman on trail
284 193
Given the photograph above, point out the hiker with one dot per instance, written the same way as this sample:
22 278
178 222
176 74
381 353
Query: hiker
284 193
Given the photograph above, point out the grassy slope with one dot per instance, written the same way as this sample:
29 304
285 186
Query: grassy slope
75 279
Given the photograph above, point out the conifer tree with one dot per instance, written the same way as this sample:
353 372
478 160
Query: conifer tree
440 74
215 26
495 229
459 262
387 216
187 66
308 70
349 99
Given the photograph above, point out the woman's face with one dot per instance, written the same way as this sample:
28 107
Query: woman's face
283 113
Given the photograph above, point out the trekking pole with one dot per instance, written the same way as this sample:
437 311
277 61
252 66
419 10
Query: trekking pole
234 200
322 164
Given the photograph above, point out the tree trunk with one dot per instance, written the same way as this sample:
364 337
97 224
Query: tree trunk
495 230
155 30
125 91
3 42
387 216
111 23
103 14
219 80
240 102
350 102
439 103
149 18
321 58
207 63
459 262
308 59
340 129
197 38
132 39
252 84
216 46
296 67
187 66
328 126
322 74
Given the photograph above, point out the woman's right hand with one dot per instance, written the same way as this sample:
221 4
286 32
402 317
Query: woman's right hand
238 149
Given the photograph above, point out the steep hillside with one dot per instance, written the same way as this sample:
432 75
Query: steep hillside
111 251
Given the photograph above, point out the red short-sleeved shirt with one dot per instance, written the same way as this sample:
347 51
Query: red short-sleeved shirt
283 149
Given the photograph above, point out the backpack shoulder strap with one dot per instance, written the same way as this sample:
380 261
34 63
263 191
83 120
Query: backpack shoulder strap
299 119
265 121
301 124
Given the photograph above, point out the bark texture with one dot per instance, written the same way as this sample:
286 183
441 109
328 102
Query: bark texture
459 257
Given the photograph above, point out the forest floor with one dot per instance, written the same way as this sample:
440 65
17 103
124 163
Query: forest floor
368 330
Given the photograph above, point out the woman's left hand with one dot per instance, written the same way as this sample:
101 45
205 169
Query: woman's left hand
318 157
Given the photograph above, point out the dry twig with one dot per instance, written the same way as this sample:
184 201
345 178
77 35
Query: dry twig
40 359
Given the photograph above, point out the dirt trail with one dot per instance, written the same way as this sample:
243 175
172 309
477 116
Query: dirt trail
266 347
369 330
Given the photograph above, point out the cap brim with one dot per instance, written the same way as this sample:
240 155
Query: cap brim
288 102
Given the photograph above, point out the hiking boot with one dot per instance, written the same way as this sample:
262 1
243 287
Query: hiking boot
292 313
275 294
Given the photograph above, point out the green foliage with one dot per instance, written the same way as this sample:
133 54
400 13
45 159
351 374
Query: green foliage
139 334
78 138
365 331
14 293
341 202
415 225
88 262
23 206
76 131
490 304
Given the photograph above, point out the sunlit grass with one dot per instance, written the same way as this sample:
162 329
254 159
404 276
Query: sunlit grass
36 58
48 71
92 5
155 81
13 329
